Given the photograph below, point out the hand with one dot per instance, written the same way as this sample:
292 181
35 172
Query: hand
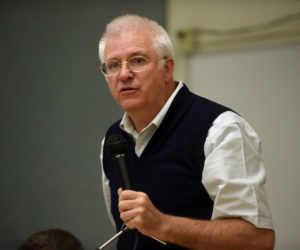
137 211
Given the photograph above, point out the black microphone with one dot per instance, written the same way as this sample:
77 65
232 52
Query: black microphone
117 148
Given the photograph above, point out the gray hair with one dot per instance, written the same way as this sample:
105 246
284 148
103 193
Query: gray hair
161 40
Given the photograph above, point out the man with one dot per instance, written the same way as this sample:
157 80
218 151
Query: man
196 167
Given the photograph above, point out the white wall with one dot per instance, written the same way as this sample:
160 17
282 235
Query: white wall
261 83
229 14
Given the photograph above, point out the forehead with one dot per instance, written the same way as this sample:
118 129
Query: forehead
129 42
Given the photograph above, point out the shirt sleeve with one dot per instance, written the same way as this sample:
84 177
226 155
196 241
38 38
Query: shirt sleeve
105 186
234 174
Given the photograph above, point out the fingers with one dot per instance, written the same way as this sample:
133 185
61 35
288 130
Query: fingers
131 195
138 212
129 199
120 190
128 194
134 218
132 206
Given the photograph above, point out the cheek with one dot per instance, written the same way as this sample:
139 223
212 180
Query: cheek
112 88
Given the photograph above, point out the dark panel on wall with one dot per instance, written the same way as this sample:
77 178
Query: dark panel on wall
55 108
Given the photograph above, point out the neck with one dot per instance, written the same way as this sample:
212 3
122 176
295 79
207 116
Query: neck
140 122
142 118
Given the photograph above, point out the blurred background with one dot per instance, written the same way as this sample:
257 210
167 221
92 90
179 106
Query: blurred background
56 107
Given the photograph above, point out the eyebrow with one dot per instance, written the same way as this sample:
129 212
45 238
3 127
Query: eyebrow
135 53
138 53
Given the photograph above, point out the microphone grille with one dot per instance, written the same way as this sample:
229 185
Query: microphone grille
116 144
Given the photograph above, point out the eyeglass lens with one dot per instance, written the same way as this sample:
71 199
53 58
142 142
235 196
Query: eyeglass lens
135 64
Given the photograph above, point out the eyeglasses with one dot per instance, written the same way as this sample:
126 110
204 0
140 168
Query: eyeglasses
135 64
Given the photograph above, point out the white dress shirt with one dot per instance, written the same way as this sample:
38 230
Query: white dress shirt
233 172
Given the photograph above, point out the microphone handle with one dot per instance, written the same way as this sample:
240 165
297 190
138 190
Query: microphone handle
123 171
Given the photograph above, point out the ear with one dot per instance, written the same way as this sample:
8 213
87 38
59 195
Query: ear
169 68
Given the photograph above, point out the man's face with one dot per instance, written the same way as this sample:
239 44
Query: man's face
136 92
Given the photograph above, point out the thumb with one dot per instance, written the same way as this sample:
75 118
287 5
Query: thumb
120 190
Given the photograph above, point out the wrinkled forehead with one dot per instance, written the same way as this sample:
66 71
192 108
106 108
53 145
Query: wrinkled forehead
126 41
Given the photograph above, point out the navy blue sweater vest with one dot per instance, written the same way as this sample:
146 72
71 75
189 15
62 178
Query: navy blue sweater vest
170 167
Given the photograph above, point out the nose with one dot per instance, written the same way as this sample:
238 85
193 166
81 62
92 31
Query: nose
125 72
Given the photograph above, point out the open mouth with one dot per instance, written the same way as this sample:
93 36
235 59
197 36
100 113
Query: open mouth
127 90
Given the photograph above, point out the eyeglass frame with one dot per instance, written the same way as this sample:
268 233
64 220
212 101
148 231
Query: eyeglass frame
121 63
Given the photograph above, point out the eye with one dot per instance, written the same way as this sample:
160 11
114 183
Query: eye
137 61
113 65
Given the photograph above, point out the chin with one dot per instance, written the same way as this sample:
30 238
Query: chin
131 107
132 104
